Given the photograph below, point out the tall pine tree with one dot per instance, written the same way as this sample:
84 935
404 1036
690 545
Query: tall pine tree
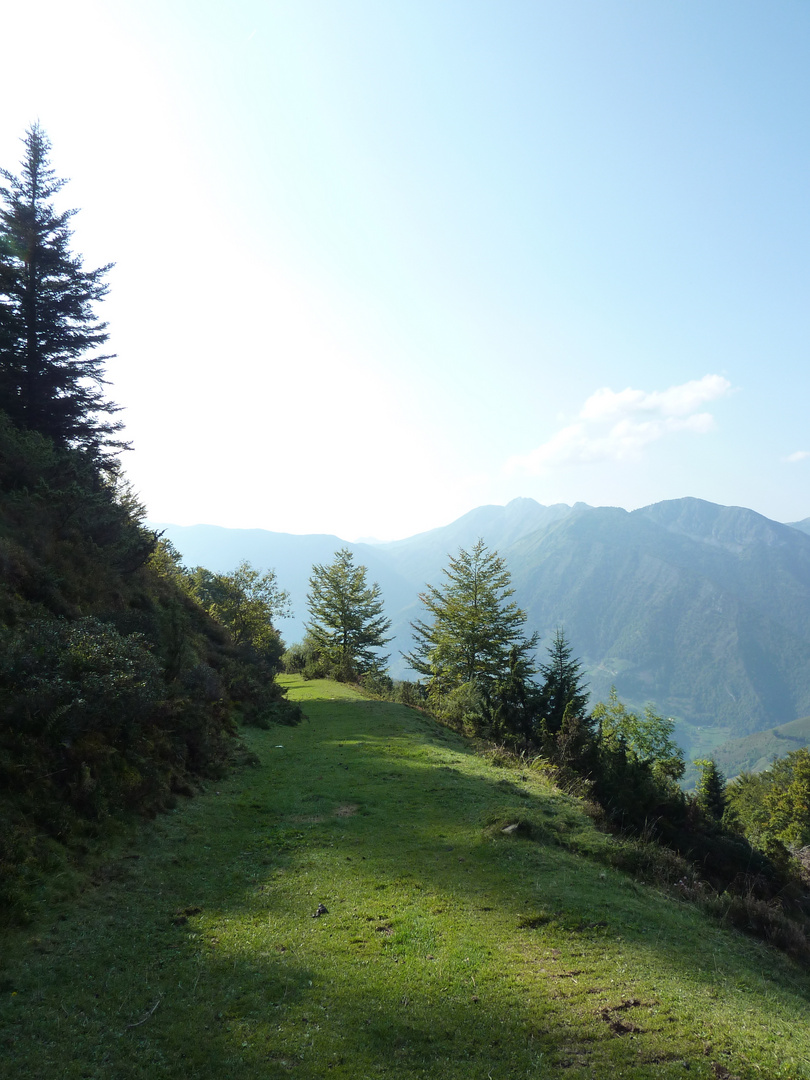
711 789
51 367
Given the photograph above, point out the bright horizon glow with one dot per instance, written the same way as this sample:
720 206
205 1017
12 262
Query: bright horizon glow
377 265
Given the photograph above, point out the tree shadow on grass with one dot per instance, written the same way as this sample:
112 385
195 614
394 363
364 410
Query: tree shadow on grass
449 948
443 846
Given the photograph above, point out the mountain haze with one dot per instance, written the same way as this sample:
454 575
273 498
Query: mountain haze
759 751
701 609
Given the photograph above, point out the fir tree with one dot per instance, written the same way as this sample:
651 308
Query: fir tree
475 636
51 370
711 790
347 625
563 693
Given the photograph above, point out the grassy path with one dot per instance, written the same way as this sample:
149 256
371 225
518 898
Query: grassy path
448 949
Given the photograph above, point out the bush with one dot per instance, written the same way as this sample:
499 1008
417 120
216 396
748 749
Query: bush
317 668
463 709
303 658
79 700
410 693
378 684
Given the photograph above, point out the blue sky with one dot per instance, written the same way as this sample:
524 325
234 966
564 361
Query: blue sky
378 263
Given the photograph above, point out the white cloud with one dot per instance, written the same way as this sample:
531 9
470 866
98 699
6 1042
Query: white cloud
613 426
799 455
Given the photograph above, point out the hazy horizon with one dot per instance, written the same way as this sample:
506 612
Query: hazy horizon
378 265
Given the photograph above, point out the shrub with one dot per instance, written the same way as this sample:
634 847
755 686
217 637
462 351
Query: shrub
410 693
316 668
463 709
378 684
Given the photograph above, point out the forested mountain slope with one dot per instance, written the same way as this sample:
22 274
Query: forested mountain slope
758 751
702 609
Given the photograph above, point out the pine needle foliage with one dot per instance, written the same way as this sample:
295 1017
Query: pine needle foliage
564 693
51 366
711 790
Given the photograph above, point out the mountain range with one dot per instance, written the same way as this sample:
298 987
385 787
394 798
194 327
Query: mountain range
700 609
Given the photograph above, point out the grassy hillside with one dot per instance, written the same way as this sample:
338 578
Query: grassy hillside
449 946
117 690
759 751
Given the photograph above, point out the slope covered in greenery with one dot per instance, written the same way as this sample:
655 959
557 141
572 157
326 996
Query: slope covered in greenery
475 926
117 690
758 751
704 610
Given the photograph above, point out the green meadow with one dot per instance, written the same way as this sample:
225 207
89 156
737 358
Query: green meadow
474 927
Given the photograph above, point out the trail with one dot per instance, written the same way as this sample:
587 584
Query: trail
349 905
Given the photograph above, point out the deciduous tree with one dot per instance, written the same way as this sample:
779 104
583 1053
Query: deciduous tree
247 601
646 738
787 798
774 805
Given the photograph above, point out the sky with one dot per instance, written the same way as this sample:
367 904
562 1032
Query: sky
379 262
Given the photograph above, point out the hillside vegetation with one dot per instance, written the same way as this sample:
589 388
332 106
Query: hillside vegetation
703 610
476 926
117 690
376 895
759 751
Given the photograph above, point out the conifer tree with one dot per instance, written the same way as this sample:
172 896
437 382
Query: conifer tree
476 633
563 693
51 370
711 789
347 625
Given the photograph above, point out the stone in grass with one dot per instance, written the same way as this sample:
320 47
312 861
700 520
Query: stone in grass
521 827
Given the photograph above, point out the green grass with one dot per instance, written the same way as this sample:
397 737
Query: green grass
450 948
759 751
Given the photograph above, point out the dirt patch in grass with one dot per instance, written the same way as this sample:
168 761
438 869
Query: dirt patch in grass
616 1023
347 810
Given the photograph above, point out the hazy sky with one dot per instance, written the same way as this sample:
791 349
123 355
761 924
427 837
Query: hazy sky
382 261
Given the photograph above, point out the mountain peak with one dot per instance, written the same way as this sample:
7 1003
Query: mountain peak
732 527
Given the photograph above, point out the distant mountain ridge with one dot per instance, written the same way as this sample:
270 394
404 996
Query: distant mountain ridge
702 609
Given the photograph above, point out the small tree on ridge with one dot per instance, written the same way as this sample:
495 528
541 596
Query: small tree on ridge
475 636
347 625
